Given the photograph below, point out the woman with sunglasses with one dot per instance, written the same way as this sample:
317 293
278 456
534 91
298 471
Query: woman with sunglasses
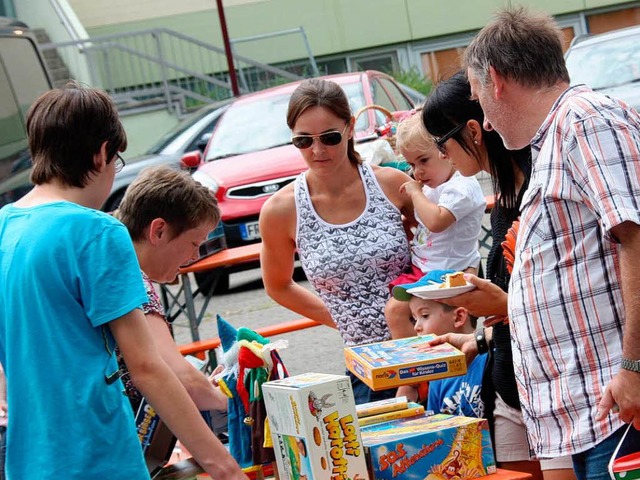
344 219
455 121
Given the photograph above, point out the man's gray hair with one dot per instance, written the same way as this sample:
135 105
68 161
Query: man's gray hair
521 46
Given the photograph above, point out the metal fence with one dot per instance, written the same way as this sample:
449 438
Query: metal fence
160 65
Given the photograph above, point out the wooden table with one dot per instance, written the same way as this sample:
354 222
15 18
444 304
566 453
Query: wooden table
182 302
188 468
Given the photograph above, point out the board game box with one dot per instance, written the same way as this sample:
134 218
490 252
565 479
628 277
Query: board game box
435 447
314 428
393 363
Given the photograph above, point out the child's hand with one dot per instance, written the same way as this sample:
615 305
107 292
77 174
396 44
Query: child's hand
408 391
411 187
215 372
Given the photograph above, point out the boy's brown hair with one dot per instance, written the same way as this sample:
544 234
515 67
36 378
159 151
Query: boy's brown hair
66 127
168 194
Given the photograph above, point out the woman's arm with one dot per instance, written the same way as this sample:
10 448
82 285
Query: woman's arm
203 394
277 258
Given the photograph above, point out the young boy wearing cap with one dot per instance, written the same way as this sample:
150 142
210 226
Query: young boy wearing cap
462 395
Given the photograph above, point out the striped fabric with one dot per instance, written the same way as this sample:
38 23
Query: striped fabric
565 300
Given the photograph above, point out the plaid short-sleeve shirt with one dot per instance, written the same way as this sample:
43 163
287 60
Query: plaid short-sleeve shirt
565 300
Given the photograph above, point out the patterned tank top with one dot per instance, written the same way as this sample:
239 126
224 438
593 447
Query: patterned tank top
350 265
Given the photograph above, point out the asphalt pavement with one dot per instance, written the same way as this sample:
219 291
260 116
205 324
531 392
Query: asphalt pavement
317 349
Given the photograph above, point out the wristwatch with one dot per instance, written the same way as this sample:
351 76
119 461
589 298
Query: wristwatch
632 365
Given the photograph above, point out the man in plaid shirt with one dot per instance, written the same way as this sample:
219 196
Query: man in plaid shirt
573 301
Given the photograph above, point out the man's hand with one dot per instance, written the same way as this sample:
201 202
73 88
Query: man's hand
487 299
621 395
465 342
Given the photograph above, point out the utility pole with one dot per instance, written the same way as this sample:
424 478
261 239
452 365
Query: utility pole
227 50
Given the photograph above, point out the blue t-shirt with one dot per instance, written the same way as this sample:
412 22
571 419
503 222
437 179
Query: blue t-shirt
459 395
65 272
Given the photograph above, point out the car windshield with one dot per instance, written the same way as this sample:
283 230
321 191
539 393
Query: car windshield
172 134
262 124
606 64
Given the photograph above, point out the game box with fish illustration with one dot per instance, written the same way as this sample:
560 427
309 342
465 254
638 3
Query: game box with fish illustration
435 447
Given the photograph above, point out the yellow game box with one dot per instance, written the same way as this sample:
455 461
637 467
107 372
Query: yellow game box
314 428
394 363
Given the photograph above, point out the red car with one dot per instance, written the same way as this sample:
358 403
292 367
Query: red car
250 156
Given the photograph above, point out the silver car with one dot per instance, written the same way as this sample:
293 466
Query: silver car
190 134
609 63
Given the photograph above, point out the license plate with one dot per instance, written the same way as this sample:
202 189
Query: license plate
249 231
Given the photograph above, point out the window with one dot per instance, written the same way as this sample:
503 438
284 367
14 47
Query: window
380 96
401 102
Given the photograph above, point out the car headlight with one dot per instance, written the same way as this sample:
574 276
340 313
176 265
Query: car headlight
205 180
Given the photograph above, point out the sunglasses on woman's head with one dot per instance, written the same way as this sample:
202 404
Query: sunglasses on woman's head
329 139
443 139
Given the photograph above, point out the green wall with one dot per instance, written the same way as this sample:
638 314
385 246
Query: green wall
335 26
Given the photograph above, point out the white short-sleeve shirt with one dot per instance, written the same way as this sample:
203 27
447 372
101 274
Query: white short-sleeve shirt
456 247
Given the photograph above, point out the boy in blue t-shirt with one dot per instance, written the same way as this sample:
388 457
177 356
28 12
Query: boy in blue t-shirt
71 289
460 395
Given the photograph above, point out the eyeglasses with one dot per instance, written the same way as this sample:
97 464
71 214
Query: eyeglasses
443 139
329 139
119 163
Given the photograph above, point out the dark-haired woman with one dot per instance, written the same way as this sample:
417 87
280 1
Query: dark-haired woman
455 122
343 217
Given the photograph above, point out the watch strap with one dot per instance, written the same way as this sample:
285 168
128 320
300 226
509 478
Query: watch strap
631 365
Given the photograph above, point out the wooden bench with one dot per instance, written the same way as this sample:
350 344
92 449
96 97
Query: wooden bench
198 348
182 301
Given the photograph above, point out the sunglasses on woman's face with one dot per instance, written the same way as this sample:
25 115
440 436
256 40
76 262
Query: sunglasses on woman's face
443 139
329 139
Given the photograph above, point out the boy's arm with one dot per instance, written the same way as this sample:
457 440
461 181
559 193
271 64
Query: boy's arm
153 377
201 391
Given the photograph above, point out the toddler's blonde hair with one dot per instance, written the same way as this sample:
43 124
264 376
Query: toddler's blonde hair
412 136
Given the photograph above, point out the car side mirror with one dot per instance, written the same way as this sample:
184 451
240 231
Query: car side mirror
191 160
202 143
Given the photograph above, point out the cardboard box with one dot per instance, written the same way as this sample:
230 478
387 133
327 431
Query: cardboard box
314 428
436 447
413 410
397 362
381 406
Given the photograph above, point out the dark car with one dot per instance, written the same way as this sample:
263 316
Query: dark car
608 62
192 133
23 78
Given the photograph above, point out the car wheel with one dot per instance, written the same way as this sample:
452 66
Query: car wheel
204 280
